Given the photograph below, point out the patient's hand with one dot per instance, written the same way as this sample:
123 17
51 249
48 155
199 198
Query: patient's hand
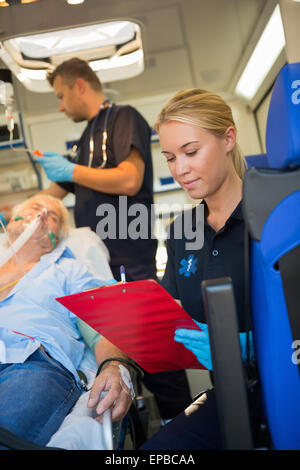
117 392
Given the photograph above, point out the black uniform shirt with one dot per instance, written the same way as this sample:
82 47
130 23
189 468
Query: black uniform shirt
222 255
126 128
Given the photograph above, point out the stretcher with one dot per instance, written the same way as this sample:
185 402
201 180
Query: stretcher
79 430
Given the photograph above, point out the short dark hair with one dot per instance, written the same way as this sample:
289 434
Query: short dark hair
72 69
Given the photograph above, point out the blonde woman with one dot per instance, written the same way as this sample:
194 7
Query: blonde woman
198 139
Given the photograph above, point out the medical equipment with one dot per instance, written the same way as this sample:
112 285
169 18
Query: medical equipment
19 242
6 99
10 127
73 153
32 224
125 377
26 149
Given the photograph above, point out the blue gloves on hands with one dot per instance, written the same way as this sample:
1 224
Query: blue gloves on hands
198 342
243 343
57 167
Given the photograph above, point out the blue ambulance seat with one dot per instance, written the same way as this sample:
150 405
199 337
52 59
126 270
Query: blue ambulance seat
258 160
271 198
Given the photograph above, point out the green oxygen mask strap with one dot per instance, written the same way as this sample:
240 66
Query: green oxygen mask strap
54 239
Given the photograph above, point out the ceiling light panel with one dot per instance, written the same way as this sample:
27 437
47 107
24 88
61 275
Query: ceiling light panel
43 45
267 50
115 48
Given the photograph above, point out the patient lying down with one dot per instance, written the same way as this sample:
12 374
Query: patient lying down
41 342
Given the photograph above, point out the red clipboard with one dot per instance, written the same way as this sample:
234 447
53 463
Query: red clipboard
140 318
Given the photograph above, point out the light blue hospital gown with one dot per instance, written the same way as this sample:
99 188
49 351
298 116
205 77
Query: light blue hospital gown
30 315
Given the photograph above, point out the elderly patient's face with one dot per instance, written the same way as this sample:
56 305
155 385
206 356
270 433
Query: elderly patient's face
50 221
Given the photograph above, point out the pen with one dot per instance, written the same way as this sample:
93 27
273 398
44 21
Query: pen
122 273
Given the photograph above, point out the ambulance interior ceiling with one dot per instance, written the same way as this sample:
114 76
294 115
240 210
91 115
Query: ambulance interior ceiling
186 43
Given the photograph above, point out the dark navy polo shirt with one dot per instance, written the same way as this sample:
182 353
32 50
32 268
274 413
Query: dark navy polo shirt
222 255
126 129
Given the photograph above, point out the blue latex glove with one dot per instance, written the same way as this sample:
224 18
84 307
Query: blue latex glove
198 342
2 218
57 167
243 342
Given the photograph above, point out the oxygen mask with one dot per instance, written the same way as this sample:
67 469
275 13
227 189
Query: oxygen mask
32 223
40 219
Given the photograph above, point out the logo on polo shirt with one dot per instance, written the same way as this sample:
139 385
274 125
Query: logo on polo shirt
188 266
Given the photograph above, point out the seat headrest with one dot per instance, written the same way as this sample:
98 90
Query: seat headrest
283 123
258 160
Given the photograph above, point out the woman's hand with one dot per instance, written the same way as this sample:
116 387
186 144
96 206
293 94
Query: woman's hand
197 342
